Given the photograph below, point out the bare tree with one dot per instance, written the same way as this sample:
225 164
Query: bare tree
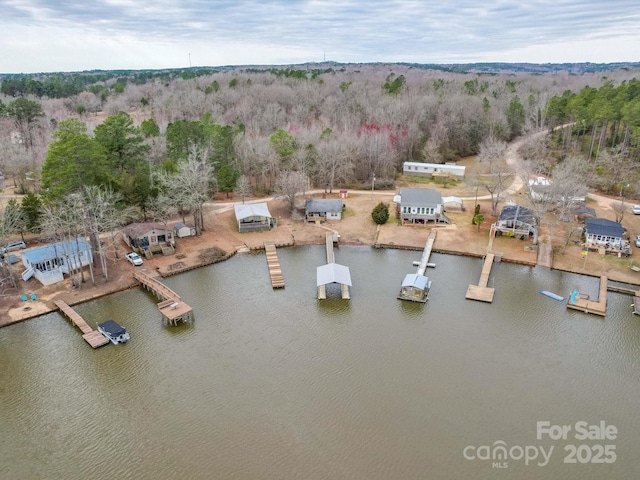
243 187
494 179
290 185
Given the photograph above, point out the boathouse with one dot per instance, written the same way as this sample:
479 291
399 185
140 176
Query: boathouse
419 206
333 273
322 209
415 287
149 238
253 217
48 264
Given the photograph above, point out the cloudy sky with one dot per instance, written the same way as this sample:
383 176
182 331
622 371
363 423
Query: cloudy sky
43 36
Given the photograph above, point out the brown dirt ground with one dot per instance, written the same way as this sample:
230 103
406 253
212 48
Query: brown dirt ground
355 228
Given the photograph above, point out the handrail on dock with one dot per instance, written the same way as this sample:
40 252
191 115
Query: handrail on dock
171 306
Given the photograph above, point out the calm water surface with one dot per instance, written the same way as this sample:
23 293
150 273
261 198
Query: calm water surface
276 385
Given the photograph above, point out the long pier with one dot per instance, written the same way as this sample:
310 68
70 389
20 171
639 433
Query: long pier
481 292
171 307
582 303
332 272
91 336
275 271
426 253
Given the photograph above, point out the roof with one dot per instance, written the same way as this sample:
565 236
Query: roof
180 225
420 197
251 210
56 250
415 280
602 226
323 205
449 166
585 211
333 273
452 200
136 229
112 328
517 213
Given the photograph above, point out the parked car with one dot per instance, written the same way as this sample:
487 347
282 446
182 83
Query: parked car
10 247
636 209
638 241
134 258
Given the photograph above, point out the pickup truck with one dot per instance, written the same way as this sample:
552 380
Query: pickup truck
134 258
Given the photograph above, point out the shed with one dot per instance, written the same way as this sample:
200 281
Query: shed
323 209
184 230
253 217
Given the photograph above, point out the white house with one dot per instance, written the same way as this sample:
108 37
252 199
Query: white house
419 169
600 232
419 206
48 264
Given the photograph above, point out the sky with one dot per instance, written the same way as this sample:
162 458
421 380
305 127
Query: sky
48 36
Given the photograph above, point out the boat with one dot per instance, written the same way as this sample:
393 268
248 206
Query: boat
113 331
549 294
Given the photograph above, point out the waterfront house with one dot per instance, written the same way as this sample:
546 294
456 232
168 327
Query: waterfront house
48 264
607 234
516 220
149 237
183 230
419 206
418 169
252 217
322 209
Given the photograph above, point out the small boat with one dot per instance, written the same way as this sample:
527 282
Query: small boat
549 294
113 331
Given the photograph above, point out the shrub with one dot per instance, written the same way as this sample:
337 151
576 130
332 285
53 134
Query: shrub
380 214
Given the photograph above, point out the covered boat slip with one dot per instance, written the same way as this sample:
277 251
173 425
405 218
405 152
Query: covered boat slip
415 286
332 272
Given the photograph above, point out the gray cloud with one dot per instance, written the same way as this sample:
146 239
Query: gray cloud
349 30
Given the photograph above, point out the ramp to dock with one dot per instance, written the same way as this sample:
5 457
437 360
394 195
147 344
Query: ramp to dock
597 307
426 253
91 336
481 292
171 307
275 271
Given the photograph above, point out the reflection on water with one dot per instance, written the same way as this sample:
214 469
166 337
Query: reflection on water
276 384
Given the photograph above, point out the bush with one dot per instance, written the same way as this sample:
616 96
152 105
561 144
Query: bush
380 214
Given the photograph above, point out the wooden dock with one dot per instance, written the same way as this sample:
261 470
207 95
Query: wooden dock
172 308
332 272
426 253
329 239
584 304
275 272
91 336
636 304
481 292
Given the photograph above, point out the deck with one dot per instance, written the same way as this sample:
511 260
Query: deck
275 272
481 292
91 336
426 253
171 306
597 307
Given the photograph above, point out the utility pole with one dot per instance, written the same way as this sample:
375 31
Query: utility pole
373 183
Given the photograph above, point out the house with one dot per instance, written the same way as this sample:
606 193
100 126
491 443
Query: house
48 264
323 209
516 220
253 217
607 234
149 238
419 206
183 230
418 169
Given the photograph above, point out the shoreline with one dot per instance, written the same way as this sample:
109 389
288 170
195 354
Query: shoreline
135 284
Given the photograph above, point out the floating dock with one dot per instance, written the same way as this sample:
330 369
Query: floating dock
481 292
275 272
555 296
583 303
172 308
91 336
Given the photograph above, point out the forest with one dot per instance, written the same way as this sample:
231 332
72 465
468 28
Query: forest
155 144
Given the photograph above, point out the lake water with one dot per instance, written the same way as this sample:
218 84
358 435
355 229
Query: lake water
274 384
